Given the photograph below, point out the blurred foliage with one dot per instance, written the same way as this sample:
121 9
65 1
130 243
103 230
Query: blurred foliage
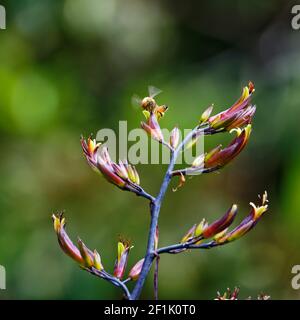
70 67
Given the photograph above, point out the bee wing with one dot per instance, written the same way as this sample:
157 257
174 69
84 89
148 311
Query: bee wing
136 101
153 91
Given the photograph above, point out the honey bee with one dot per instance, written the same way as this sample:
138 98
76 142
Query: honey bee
149 104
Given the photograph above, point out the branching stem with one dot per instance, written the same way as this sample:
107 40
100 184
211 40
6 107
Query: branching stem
155 209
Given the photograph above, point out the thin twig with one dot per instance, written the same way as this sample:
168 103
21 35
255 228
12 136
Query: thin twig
177 248
108 277
143 193
156 277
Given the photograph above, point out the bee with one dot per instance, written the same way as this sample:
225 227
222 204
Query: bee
148 104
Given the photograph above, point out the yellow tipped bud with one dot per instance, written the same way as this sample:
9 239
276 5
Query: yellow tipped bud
131 173
58 222
136 176
121 249
258 211
206 114
218 237
84 251
97 261
200 227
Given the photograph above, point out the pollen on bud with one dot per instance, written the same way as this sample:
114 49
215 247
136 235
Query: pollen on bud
58 222
146 113
258 211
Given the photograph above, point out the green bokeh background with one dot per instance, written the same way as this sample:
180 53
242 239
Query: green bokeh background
70 67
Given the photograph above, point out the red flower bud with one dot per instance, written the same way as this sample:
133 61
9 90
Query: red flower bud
248 223
152 127
221 224
82 255
220 157
136 270
122 175
122 258
238 115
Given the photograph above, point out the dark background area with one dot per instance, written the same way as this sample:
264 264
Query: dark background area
70 67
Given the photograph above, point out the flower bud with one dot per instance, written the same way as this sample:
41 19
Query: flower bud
199 161
117 174
136 270
174 138
189 235
219 157
221 224
154 134
122 258
97 261
248 223
206 114
238 115
86 254
200 227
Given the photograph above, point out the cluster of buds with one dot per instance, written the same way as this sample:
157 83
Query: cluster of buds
206 235
88 259
233 295
218 230
122 174
237 116
228 294
236 119
152 128
218 157
81 254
